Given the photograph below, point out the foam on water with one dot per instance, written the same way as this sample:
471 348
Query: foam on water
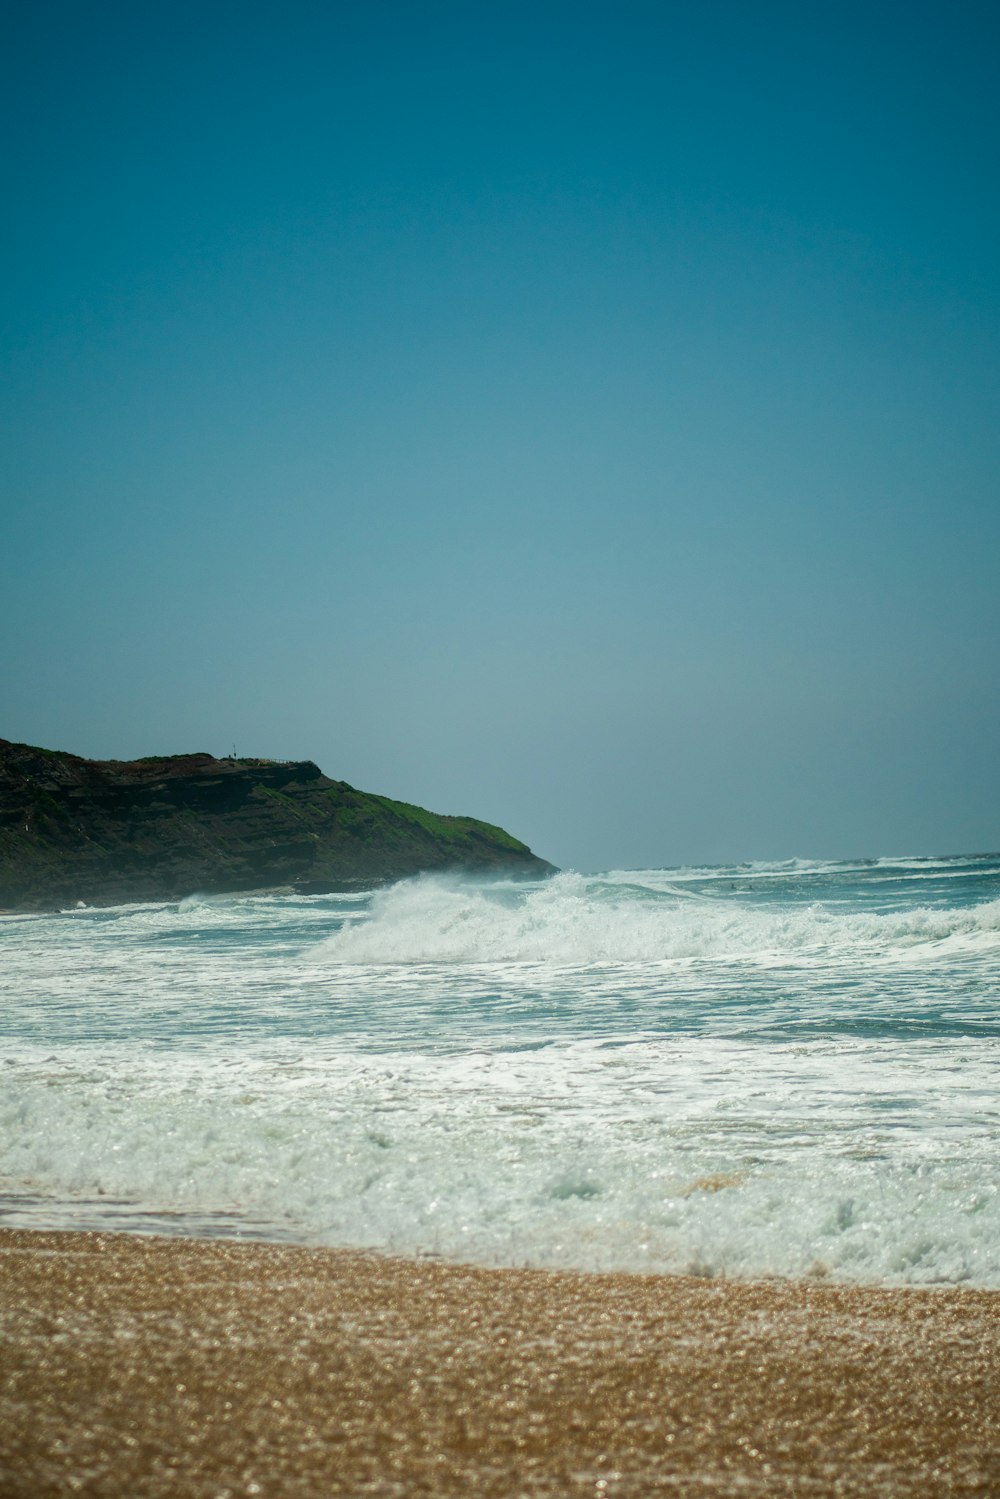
789 1070
702 1156
578 920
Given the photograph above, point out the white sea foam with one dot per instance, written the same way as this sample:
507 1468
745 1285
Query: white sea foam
702 1157
576 920
737 1072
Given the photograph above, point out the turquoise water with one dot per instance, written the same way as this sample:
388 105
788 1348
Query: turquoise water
780 1069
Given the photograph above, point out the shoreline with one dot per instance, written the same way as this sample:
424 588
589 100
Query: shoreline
137 1365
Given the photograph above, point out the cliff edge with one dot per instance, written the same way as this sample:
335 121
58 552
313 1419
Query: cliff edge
110 831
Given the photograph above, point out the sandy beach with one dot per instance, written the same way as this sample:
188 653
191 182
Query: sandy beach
142 1366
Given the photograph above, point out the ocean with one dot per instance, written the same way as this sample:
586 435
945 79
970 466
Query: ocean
781 1069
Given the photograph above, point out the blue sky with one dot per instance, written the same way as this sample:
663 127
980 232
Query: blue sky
580 416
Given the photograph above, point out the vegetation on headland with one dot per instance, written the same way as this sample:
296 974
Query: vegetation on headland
163 827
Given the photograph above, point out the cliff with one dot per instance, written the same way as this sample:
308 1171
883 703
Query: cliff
109 831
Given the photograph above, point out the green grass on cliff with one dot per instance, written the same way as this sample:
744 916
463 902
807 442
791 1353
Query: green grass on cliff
448 828
367 816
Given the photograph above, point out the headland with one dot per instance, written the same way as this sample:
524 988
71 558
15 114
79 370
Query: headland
104 832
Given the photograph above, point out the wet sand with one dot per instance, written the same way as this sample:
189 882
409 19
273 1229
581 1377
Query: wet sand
138 1366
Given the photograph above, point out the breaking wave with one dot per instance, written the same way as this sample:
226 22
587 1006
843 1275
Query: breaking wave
768 1069
576 919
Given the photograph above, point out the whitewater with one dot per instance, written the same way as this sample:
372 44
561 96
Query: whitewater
765 1069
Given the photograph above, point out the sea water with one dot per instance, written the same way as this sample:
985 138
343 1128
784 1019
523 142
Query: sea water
767 1069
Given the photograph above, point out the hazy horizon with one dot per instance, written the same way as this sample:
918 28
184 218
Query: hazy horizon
583 419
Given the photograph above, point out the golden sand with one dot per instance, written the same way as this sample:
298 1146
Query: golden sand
137 1366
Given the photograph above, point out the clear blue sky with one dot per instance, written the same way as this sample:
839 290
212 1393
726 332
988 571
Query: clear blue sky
580 416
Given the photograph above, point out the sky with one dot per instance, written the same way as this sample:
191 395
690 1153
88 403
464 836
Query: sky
578 416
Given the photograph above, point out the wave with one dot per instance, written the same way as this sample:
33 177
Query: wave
576 919
784 869
674 1156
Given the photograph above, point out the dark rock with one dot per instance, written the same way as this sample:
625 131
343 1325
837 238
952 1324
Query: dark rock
109 831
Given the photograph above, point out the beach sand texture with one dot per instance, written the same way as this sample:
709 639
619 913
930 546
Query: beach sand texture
141 1366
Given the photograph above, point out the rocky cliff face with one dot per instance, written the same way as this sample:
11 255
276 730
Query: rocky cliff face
111 831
